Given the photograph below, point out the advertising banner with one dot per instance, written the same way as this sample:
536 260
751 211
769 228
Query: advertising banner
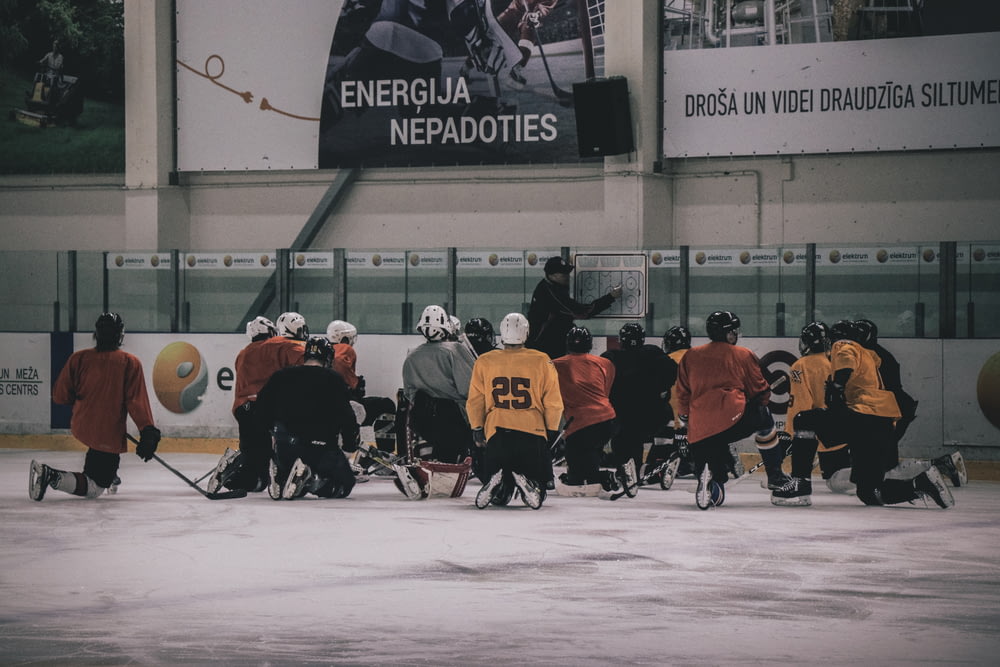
330 84
25 382
909 93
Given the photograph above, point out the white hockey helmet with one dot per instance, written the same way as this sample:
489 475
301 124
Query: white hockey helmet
292 325
454 327
434 324
338 330
514 329
260 326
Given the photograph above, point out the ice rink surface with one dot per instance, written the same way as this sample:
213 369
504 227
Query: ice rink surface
158 575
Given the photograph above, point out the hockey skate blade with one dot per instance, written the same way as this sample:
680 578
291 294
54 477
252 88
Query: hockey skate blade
226 495
800 501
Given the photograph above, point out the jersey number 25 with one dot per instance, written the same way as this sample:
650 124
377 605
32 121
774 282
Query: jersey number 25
512 393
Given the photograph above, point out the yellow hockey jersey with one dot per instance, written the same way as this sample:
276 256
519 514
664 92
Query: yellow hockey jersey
865 391
516 389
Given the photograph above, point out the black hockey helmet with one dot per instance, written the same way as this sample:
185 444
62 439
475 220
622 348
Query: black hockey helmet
319 348
479 331
578 339
815 337
867 332
109 331
676 338
719 324
631 336
844 330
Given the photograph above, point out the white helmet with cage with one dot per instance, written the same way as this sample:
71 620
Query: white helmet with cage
338 330
259 327
292 325
434 324
514 329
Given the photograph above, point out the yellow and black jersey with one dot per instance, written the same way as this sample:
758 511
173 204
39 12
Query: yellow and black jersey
808 377
865 392
516 389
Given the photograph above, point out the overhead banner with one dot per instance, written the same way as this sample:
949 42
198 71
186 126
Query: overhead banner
913 93
333 83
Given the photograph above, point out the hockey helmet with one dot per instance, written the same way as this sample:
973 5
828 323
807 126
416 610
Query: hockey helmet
578 339
454 327
844 330
631 336
434 324
514 329
318 348
676 338
479 331
338 330
260 328
292 325
109 331
815 337
720 324
867 332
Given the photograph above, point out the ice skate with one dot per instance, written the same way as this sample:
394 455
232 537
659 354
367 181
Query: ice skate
274 484
628 478
295 485
796 492
931 484
703 494
669 473
224 470
530 493
408 484
485 494
776 479
952 466
115 483
40 478
611 487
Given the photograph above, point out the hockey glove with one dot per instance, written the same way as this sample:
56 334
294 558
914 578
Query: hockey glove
835 399
359 390
149 438
479 437
681 436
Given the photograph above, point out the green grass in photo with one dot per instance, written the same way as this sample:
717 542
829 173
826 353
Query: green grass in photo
96 145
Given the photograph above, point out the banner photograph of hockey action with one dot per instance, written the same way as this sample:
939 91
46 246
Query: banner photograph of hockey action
379 83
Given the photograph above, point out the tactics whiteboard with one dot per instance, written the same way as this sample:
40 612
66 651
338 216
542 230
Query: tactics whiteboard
596 274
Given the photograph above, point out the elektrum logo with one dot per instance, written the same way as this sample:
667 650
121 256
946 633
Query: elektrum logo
180 377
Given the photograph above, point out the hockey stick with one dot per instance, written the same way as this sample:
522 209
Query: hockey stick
559 436
565 98
224 495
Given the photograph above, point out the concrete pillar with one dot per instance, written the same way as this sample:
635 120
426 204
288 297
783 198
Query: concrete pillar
637 198
155 214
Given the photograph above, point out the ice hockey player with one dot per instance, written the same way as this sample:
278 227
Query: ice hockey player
248 468
435 385
521 20
585 383
103 384
676 342
643 377
807 416
292 325
552 310
514 410
723 397
307 408
342 336
480 334
889 370
856 400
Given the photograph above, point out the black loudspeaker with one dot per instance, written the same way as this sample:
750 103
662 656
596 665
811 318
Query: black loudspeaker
603 118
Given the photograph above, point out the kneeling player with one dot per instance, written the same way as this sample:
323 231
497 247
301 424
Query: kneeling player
306 408
514 403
